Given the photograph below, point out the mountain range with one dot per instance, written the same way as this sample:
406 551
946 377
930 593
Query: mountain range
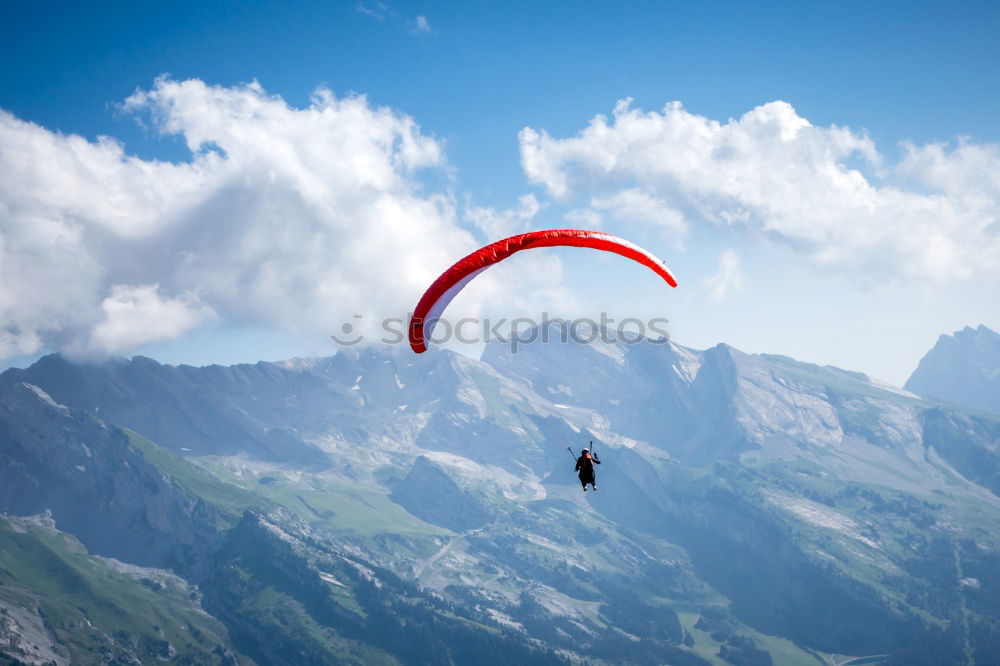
381 507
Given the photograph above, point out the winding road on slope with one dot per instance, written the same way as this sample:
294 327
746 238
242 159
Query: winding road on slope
430 561
857 661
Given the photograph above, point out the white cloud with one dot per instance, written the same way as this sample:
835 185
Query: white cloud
970 170
727 280
137 314
421 26
380 11
376 10
635 205
584 218
823 190
283 216
497 224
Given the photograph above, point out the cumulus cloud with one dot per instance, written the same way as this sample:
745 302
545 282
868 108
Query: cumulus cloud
825 191
727 280
636 205
282 216
496 224
138 314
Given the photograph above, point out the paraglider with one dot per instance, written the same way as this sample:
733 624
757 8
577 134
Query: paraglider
437 297
441 292
585 466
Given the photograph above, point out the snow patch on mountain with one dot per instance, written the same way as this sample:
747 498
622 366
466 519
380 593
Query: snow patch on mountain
47 399
688 362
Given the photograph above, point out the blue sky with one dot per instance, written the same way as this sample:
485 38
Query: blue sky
474 75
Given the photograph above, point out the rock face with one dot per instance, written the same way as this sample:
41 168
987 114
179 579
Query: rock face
96 484
962 368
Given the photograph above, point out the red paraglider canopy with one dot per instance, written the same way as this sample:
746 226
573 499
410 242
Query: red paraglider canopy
446 287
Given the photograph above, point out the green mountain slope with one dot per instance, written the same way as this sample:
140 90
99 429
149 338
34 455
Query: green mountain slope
57 603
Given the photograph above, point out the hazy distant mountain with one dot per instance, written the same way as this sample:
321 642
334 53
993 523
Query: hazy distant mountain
381 507
200 411
962 368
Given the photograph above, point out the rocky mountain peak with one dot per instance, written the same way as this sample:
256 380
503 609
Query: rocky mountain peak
962 368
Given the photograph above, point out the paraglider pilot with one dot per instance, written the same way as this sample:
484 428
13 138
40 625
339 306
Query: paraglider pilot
585 466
